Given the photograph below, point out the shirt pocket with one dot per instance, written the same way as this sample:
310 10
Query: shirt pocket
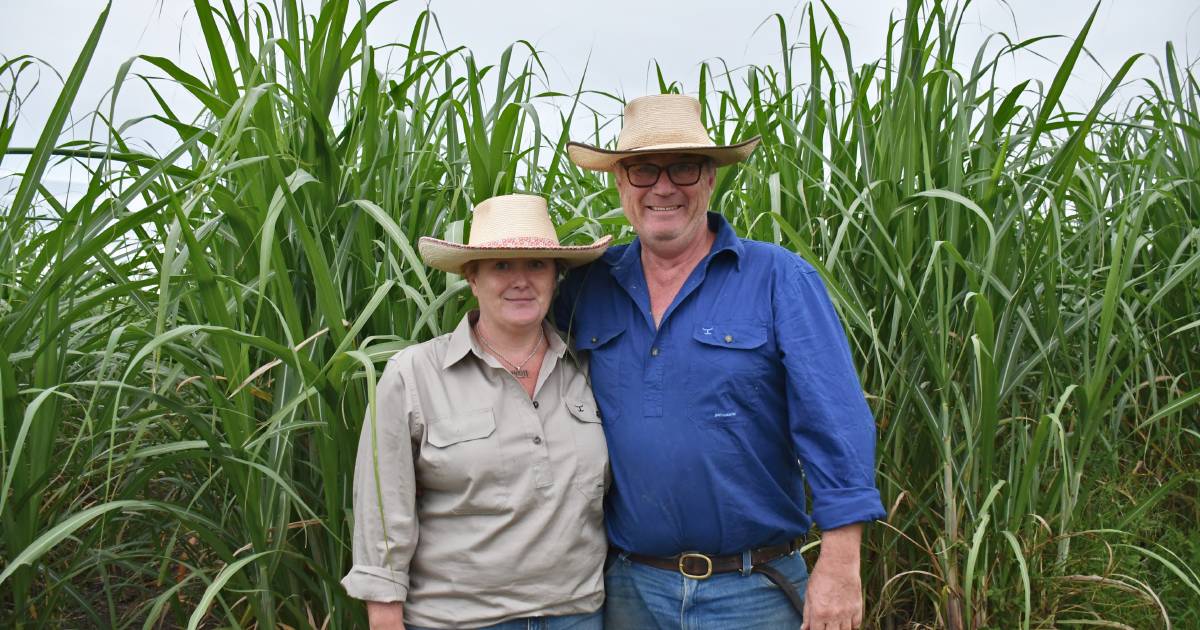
465 465
604 356
591 453
727 365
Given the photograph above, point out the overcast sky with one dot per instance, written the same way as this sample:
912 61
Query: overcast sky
617 40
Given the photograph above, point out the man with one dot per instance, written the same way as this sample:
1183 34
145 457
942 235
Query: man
725 383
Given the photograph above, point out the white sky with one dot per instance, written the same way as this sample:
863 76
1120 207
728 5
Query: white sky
617 40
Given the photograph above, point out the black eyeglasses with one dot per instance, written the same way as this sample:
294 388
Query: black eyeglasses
645 174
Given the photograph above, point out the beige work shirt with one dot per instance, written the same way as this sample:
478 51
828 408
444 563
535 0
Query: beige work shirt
491 501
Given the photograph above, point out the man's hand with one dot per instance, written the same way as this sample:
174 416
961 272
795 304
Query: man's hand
385 616
834 597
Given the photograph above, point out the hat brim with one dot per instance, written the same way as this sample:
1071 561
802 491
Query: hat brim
451 257
597 159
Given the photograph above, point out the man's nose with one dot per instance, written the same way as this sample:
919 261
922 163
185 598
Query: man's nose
664 185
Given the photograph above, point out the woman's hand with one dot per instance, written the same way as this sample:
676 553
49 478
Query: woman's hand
385 615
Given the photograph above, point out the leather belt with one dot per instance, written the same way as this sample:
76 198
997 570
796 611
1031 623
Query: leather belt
699 566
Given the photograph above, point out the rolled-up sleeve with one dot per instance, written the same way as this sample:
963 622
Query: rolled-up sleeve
831 425
385 521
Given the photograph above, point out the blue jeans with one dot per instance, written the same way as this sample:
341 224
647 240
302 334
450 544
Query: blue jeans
585 621
641 597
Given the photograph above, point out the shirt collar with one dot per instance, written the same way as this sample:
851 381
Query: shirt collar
726 241
628 267
462 342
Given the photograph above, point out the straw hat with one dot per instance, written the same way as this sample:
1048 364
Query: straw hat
508 226
661 123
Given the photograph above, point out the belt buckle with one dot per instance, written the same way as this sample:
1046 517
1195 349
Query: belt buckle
708 573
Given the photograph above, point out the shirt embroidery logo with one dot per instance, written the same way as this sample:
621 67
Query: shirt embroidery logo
728 414
579 408
707 331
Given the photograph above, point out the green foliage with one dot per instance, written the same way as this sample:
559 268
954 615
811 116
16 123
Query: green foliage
185 347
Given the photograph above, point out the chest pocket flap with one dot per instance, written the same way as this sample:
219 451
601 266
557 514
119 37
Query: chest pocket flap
593 339
583 410
737 335
470 425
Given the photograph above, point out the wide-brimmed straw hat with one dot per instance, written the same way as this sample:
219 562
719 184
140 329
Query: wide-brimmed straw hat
508 226
661 123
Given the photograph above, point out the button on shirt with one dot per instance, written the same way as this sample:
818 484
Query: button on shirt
491 502
715 417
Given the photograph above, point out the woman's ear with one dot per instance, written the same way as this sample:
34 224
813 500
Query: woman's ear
468 271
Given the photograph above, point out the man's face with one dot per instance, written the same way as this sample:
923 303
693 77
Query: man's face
666 213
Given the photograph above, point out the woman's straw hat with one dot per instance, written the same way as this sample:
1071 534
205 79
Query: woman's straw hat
662 123
508 226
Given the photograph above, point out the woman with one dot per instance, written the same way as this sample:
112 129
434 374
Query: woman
480 476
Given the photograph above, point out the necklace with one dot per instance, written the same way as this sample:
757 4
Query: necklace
516 369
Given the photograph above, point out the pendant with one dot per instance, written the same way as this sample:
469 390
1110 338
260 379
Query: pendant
520 373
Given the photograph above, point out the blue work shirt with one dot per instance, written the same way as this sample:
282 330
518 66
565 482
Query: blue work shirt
714 418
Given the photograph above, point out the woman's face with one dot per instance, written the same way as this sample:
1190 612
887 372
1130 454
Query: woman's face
513 293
